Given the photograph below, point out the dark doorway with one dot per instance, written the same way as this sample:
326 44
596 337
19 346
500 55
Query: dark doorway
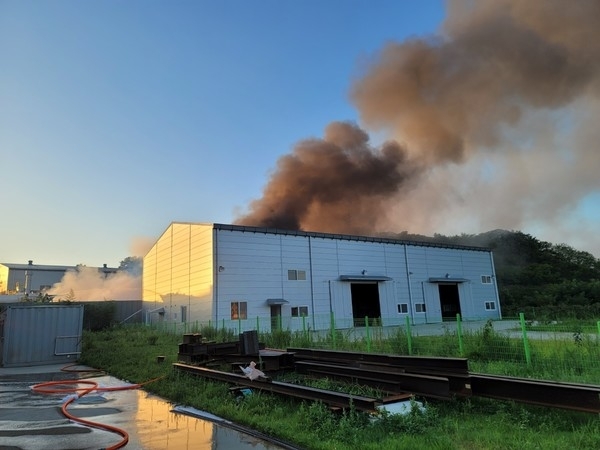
365 303
275 317
449 300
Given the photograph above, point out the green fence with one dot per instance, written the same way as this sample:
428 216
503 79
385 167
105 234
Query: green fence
565 350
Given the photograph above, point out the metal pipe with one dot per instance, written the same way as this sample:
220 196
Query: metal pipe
411 312
312 286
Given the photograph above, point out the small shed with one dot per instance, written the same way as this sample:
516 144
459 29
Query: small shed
33 335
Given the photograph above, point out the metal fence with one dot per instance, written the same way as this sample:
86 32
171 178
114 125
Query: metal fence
507 347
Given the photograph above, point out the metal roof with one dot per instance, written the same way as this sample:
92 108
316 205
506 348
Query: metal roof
50 267
348 237
37 267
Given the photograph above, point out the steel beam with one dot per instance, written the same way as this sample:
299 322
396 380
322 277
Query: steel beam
578 397
420 364
425 385
334 399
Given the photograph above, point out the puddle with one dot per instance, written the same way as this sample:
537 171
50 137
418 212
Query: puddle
31 421
159 427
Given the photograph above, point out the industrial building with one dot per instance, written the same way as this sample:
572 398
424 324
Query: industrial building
227 274
32 279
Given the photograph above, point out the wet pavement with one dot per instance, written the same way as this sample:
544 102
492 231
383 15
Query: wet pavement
33 421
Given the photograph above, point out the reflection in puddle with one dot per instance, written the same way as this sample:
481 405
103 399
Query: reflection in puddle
33 421
158 427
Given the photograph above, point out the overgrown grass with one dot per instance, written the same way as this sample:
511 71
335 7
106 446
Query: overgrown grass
131 354
564 326
573 357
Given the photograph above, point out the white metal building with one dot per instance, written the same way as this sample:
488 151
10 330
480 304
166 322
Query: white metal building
208 271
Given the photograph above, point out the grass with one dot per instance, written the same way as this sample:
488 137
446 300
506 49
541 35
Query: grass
565 326
131 354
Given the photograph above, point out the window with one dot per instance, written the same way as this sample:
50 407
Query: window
402 308
299 311
420 307
239 310
486 279
297 275
490 306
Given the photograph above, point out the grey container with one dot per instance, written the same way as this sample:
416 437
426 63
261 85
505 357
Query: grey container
37 335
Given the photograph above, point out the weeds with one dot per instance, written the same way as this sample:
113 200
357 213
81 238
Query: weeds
211 333
345 427
277 338
130 353
486 345
418 420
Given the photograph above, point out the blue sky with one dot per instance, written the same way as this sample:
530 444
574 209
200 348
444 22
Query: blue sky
119 117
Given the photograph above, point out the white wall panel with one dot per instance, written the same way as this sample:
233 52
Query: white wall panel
431 297
252 272
178 272
184 265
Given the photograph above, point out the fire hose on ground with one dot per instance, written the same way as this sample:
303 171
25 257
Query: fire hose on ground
72 387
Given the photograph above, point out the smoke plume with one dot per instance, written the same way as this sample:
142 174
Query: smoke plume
90 284
492 123
140 245
331 184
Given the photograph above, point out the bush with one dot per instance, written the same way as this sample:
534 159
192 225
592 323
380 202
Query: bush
98 316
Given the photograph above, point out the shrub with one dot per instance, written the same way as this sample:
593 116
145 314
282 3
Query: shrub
98 316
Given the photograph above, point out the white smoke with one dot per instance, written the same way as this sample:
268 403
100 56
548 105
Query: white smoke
91 284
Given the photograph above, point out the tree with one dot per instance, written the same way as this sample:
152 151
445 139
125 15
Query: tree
132 265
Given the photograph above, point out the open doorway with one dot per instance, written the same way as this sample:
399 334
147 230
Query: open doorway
275 317
365 302
449 300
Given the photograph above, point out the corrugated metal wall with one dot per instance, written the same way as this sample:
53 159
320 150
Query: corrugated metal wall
37 335
189 267
129 311
178 273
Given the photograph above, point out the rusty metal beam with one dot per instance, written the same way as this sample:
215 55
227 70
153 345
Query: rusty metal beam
420 364
459 382
425 385
577 397
331 398
427 376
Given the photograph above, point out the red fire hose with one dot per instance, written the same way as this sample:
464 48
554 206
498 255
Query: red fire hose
78 392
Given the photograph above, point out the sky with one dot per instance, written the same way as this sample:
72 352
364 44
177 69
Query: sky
118 118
